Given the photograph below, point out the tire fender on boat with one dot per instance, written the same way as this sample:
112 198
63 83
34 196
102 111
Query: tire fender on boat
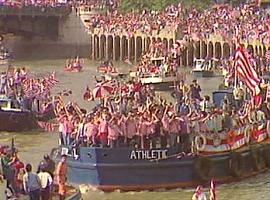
235 164
200 142
257 156
203 168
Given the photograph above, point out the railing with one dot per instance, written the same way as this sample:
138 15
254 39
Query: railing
35 11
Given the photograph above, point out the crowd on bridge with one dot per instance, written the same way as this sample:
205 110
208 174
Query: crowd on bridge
130 23
246 21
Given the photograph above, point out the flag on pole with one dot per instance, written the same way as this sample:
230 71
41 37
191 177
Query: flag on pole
212 190
245 71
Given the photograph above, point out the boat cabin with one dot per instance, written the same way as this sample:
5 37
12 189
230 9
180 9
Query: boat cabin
202 64
158 61
8 104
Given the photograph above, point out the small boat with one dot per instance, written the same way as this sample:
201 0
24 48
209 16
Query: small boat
203 68
74 65
106 67
240 154
158 77
16 119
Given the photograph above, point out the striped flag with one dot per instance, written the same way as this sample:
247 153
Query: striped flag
212 191
46 126
245 71
267 55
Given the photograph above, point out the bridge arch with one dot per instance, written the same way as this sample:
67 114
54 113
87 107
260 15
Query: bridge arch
138 49
117 48
102 47
210 50
203 50
217 52
226 50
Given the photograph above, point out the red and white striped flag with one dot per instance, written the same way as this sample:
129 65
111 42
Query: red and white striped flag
267 55
245 71
46 126
212 190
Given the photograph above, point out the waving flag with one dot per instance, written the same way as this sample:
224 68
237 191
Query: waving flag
244 69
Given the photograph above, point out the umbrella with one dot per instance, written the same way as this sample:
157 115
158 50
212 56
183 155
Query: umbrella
103 89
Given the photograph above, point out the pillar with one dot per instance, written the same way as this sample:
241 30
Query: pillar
93 47
135 49
107 47
114 48
100 48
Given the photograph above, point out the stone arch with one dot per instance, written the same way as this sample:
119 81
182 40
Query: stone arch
203 50
218 49
138 48
148 43
233 49
260 51
256 50
226 50
124 48
132 48
102 47
197 49
117 48
190 55
170 43
165 43
96 47
210 51
110 47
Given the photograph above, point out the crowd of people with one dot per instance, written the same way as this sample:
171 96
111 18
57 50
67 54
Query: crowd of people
26 92
246 21
145 22
22 180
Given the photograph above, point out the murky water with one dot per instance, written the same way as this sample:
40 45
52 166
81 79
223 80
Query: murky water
33 145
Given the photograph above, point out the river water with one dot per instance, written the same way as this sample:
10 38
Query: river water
33 145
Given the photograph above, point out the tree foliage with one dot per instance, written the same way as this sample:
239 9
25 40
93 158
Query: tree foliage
137 5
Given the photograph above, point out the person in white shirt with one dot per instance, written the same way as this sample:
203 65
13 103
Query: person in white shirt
46 184
199 194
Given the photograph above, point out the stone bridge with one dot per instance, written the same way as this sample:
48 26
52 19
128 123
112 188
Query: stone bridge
105 45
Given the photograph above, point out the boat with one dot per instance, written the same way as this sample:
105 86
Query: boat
158 76
106 67
242 153
15 119
74 65
203 68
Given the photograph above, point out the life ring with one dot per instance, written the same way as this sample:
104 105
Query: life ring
200 142
231 138
247 135
235 164
266 153
203 168
257 156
